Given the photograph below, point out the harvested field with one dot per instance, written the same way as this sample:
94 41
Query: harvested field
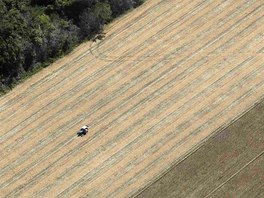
166 76
230 164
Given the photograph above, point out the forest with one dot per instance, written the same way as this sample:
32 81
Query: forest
33 33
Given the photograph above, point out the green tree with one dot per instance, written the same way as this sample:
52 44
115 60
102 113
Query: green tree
103 11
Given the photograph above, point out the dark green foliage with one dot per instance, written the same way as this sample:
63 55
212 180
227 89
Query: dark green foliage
103 11
120 6
33 32
89 23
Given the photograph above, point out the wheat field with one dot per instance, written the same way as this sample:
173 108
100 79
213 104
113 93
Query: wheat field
166 76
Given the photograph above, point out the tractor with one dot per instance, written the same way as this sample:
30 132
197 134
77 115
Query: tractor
83 131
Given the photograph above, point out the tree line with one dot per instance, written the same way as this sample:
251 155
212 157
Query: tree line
35 32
